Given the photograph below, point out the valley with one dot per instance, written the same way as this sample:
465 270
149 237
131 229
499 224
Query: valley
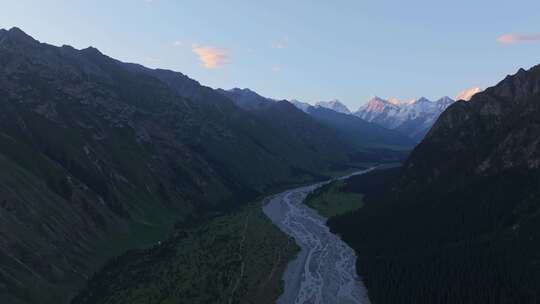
324 270
124 180
100 157
276 250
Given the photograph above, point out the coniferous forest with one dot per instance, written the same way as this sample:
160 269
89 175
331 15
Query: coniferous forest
474 245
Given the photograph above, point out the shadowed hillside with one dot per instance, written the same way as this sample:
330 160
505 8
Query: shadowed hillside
461 222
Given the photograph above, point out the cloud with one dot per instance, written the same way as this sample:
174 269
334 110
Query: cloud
178 43
275 68
518 38
212 57
281 43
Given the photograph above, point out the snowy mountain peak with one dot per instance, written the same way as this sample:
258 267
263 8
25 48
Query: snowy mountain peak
398 102
413 117
377 105
394 101
377 98
304 106
468 94
445 99
335 105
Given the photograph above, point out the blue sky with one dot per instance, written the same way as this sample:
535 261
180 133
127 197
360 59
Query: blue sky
307 50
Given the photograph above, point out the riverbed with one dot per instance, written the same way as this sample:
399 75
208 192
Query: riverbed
325 269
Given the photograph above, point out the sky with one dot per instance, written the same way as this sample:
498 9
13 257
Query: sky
307 50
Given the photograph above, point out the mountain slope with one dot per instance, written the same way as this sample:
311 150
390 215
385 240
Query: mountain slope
360 132
461 222
99 156
321 128
291 125
245 98
234 258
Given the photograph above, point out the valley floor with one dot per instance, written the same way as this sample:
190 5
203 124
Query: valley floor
324 271
233 258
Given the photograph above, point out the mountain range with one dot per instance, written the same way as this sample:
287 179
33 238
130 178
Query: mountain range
99 156
359 134
412 117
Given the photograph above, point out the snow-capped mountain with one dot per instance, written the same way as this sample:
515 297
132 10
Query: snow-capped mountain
335 105
467 94
316 123
381 111
412 117
304 106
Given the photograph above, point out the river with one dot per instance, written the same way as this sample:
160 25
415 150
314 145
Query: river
325 269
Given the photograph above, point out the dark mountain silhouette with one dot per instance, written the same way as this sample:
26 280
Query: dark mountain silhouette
461 222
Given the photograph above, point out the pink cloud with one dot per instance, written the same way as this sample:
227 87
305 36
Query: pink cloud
212 57
275 68
280 44
518 38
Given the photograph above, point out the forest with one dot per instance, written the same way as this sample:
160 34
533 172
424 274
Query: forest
476 244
